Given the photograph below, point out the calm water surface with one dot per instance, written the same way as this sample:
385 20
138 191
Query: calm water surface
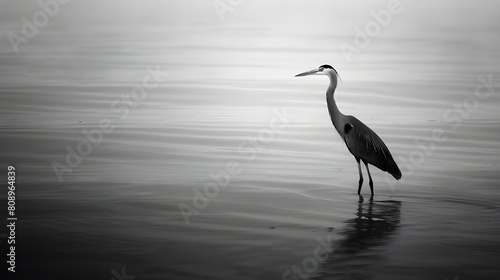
222 86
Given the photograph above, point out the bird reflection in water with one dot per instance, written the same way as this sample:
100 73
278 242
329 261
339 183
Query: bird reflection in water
360 249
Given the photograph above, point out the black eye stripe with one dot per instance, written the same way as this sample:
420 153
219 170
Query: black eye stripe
326 66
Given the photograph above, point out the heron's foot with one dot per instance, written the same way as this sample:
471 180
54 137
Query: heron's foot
371 198
361 199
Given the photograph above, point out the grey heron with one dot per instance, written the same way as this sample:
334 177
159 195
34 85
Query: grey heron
363 143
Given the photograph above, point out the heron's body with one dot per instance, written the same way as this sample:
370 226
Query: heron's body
363 143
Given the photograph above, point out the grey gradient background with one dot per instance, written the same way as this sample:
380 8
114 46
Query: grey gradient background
223 80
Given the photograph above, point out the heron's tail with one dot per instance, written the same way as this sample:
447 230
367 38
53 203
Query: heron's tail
394 170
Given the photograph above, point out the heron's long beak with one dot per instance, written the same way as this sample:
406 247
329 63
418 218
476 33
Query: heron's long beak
307 73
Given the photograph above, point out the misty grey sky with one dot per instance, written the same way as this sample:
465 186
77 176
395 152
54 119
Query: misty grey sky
318 15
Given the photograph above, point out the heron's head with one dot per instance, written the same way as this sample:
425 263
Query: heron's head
322 70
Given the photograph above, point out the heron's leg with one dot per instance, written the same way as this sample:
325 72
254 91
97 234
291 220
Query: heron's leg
360 177
370 177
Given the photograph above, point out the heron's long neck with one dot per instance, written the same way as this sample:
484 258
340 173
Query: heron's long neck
335 115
